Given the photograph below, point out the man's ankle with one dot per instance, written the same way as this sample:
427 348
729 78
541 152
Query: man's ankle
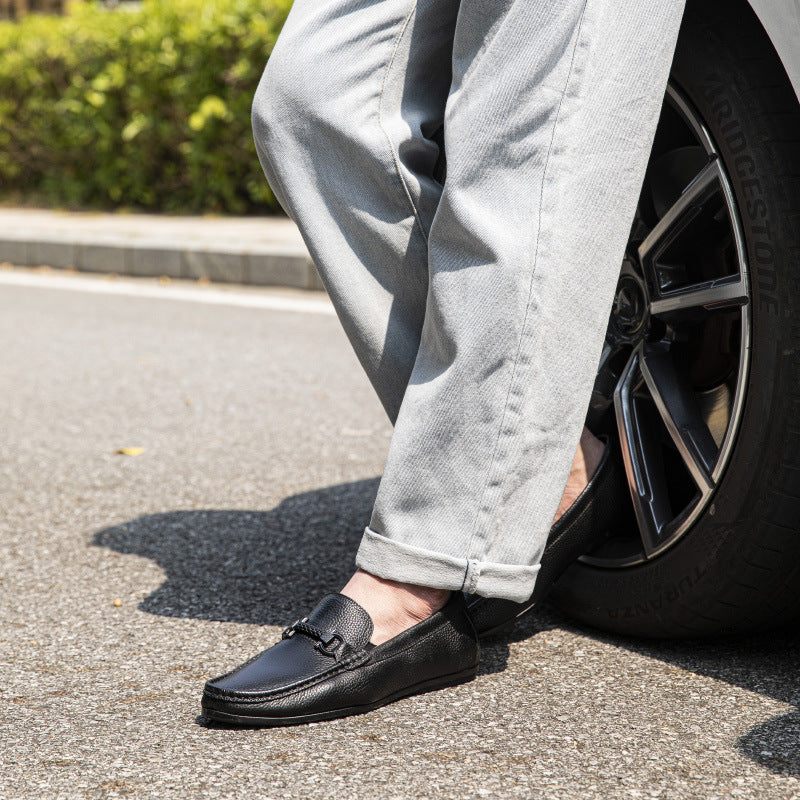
584 465
393 606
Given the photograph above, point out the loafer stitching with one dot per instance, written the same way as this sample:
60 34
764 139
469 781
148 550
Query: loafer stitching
258 697
356 660
413 644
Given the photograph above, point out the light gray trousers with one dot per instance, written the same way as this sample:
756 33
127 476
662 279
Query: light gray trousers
478 309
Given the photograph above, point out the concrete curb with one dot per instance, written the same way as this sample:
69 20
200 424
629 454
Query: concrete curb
219 250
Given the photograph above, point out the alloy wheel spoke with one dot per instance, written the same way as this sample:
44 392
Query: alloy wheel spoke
708 183
680 414
643 465
693 296
721 293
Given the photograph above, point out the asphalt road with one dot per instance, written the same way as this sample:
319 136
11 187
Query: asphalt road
125 581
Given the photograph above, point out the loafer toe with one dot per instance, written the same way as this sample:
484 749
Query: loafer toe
324 667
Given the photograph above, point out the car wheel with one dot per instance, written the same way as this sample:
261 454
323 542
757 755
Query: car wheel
699 384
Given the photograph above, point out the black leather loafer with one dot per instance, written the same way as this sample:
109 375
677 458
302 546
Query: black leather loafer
588 521
324 667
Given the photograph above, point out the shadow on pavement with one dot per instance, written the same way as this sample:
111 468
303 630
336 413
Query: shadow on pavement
256 567
269 567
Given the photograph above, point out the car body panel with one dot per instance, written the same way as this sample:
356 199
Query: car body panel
781 20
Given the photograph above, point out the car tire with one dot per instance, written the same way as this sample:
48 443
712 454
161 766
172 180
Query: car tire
737 569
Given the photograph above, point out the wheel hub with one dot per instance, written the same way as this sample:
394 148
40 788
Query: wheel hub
629 315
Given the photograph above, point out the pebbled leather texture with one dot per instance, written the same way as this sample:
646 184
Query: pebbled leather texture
587 522
325 667
297 658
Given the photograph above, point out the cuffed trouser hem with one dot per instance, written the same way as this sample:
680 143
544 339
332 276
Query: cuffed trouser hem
406 563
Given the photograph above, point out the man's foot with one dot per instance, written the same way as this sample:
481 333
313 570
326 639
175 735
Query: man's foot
325 667
394 607
593 514
584 465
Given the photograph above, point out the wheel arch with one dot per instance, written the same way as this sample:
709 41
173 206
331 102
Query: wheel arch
780 20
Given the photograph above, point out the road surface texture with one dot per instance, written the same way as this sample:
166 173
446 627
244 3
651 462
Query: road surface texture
127 580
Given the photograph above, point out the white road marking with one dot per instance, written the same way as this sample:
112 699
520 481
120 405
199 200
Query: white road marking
211 295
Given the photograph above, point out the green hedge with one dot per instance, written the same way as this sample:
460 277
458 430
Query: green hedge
148 108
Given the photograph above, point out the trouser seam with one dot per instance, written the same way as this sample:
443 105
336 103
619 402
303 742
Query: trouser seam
472 575
483 509
392 149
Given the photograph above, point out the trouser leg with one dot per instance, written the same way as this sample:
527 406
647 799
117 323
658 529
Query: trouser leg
341 119
497 290
548 128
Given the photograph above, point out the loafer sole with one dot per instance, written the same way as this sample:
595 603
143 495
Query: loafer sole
256 721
